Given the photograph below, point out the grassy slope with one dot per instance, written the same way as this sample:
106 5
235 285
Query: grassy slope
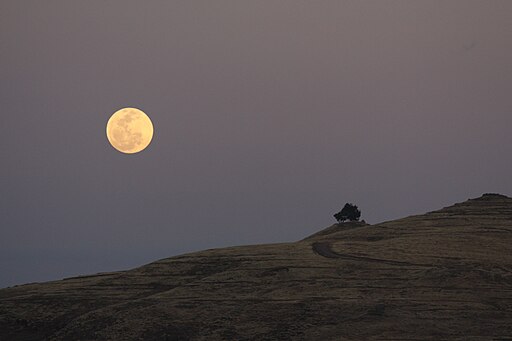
445 274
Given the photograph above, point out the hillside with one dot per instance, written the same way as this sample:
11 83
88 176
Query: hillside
444 274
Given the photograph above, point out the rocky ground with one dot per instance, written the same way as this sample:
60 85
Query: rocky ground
443 275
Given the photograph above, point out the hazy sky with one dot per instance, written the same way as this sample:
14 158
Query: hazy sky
268 115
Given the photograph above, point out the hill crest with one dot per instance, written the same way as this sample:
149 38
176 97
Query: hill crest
446 274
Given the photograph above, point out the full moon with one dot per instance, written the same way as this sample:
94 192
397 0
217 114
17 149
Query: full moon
129 130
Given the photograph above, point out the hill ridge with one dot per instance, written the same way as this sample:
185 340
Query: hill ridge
446 274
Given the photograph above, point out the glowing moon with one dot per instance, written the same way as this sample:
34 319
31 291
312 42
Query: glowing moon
129 130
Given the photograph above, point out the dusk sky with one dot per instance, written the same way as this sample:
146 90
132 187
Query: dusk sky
269 116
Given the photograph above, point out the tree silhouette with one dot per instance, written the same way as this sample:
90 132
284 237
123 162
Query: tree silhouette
349 212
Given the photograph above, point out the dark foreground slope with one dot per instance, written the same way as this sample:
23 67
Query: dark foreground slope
443 275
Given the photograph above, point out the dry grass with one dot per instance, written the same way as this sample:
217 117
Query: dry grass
443 275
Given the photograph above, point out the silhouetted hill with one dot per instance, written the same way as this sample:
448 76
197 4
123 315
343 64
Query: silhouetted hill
442 275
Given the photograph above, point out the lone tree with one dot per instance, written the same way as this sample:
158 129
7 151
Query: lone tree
349 212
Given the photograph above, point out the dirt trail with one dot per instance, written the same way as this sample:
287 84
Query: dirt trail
324 249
